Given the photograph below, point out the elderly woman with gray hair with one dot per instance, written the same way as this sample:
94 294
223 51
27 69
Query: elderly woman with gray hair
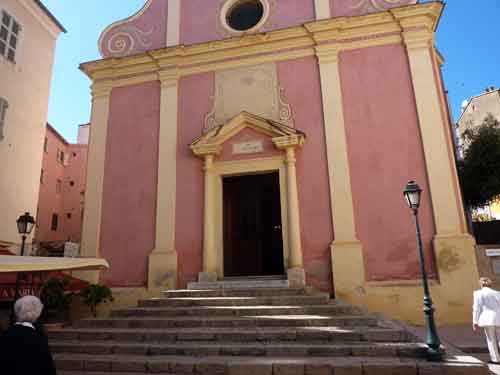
24 349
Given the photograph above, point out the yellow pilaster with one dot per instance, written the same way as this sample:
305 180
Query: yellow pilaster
322 9
296 273
432 130
346 249
162 271
91 231
173 23
294 240
454 248
209 252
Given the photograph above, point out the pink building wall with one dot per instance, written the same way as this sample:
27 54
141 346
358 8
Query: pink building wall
385 151
381 122
190 184
301 83
143 33
269 150
130 179
200 18
340 8
74 191
69 200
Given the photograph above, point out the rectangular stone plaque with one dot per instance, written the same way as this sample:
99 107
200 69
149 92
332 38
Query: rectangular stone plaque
249 147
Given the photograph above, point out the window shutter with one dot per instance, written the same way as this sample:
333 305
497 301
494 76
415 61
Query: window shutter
3 114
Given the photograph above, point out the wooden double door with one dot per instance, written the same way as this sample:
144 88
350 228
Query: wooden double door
253 240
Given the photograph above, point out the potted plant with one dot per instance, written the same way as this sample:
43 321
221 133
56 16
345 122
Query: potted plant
56 300
95 294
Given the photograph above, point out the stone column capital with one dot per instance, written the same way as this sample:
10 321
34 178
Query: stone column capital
100 90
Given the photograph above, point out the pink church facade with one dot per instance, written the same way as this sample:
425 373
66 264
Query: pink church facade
236 138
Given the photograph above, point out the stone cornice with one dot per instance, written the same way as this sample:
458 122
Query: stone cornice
414 24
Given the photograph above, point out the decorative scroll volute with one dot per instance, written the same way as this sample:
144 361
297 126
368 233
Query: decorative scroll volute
141 32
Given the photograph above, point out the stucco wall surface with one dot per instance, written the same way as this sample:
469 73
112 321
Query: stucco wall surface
200 19
27 81
130 181
50 198
348 8
74 191
144 31
385 151
300 81
247 134
194 103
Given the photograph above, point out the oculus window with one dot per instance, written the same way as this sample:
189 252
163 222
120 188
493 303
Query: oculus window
245 14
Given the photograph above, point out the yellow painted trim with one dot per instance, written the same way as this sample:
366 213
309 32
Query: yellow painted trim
346 32
246 167
163 259
432 129
173 23
209 146
322 9
91 230
211 142
452 294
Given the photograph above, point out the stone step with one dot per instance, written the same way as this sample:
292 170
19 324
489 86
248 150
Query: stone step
256 321
274 349
330 309
71 364
316 299
239 284
256 292
300 334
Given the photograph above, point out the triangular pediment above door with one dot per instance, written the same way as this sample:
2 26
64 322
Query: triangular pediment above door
282 135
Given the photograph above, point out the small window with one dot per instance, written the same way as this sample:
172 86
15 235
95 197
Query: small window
3 114
42 176
74 154
72 183
58 186
245 14
46 145
61 157
9 36
54 223
68 215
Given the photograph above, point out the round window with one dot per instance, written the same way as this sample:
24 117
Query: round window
245 14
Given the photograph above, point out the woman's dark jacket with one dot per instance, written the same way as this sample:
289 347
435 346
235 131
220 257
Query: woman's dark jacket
25 351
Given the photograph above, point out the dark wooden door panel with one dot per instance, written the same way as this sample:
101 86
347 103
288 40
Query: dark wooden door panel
253 244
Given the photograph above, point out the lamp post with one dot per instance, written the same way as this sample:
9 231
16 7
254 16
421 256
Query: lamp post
25 225
412 194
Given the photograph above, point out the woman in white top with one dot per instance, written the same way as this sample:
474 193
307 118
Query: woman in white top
486 314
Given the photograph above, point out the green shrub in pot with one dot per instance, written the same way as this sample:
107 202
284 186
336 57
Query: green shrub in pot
56 299
95 294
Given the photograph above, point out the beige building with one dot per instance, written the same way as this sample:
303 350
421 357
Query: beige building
477 108
474 111
28 35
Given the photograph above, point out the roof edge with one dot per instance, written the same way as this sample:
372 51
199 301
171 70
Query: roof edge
50 15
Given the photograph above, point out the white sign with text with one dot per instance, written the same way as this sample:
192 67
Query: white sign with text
248 147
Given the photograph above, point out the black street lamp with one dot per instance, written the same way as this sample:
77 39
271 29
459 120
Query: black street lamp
25 225
412 194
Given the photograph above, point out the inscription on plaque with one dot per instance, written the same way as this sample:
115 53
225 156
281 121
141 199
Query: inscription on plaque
248 147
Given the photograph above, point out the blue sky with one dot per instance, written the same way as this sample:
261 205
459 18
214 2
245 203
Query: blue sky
468 38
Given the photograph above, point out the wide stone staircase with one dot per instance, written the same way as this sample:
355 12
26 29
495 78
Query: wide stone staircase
230 329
